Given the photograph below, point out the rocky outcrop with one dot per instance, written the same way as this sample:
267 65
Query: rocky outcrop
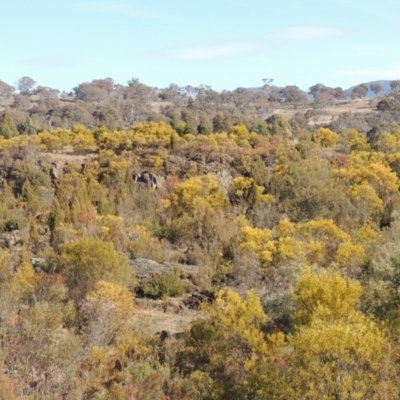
195 300
144 269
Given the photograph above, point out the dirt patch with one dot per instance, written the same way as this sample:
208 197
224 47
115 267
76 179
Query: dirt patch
326 115
153 316
67 157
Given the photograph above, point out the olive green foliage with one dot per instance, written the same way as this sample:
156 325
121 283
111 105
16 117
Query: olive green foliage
88 260
163 286
7 126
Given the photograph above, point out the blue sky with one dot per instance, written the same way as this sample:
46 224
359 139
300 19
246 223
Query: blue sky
222 43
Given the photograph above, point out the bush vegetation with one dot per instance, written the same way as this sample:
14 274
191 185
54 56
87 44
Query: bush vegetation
298 238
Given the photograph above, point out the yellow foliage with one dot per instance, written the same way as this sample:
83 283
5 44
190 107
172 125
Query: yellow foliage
364 193
209 140
325 137
156 161
240 134
119 170
281 169
130 345
370 182
284 228
332 291
65 135
241 316
322 229
365 199
367 234
197 193
189 137
4 265
257 241
369 168
143 244
80 137
315 251
288 249
97 356
350 254
111 295
88 260
240 185
343 358
354 140
246 188
47 141
24 281
319 240
219 141
110 227
389 142
115 141
152 134
265 198
316 241
83 139
223 140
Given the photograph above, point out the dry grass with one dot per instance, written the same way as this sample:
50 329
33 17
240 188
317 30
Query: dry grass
326 115
65 157
151 318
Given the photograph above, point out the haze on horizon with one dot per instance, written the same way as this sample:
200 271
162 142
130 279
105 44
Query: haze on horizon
221 43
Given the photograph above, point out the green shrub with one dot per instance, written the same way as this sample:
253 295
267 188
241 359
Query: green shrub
163 286
85 261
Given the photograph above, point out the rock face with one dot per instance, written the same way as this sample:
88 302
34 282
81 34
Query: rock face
147 178
214 163
144 269
11 239
194 301
224 178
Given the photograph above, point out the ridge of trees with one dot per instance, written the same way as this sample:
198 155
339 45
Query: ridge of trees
34 108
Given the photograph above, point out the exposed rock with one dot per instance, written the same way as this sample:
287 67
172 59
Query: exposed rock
11 239
224 178
38 263
175 164
174 306
195 301
164 335
144 268
190 286
147 178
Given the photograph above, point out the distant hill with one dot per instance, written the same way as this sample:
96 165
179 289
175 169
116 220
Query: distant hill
385 84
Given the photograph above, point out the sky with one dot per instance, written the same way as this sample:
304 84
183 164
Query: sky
225 44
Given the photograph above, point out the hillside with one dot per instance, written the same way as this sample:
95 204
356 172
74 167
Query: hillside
200 266
182 243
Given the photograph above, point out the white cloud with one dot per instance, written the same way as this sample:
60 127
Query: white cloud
384 73
227 50
296 33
